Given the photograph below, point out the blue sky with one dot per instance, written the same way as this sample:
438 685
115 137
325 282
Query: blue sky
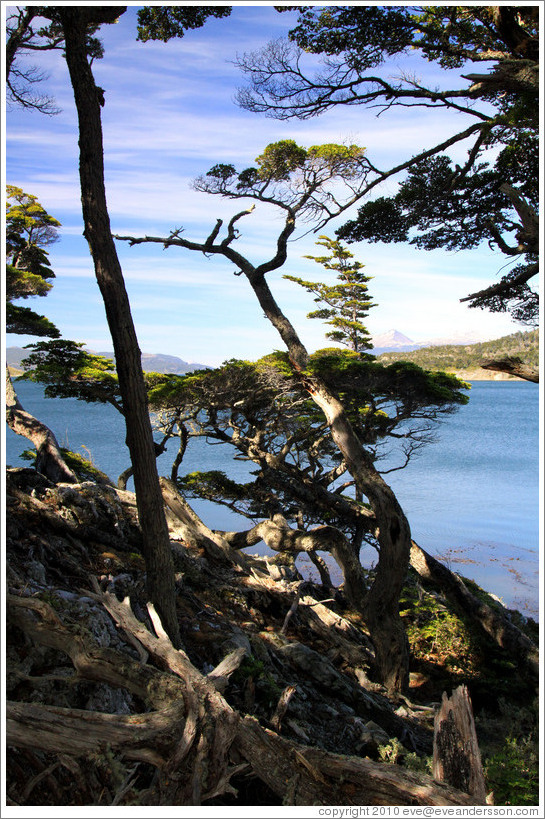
169 116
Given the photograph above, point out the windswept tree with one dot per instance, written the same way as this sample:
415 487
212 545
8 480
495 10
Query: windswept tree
492 196
263 414
68 370
347 302
29 230
308 183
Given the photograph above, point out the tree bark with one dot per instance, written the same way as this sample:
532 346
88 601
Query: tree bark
156 544
281 538
49 460
456 754
394 534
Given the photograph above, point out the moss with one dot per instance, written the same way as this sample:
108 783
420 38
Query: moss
84 467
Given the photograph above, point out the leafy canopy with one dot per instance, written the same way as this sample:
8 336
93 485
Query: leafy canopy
165 22
29 229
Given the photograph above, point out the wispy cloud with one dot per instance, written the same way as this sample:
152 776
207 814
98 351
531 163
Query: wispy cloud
169 116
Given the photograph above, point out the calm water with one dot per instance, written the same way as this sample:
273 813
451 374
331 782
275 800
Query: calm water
472 498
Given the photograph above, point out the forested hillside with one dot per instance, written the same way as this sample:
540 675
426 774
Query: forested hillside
525 345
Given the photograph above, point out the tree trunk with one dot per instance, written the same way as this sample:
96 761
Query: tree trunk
394 536
497 626
49 460
456 754
156 544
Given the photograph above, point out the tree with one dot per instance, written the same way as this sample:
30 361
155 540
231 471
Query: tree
347 302
29 228
25 35
69 371
264 415
308 183
73 27
440 204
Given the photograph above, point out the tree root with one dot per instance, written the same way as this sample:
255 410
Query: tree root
192 732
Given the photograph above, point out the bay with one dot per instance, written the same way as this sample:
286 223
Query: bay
472 497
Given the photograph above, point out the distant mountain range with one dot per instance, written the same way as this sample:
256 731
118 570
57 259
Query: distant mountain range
395 342
151 363
159 363
442 353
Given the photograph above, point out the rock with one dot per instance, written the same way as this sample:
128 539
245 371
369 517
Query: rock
318 668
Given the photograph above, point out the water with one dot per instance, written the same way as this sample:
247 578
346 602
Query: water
472 498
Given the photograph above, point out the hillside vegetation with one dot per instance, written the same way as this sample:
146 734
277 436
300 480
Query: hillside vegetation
462 358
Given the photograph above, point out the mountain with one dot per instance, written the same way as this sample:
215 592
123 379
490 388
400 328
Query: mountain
393 341
14 356
156 363
160 363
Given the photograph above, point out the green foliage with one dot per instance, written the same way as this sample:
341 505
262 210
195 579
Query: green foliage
421 214
29 228
263 411
509 741
69 371
439 204
291 176
513 772
210 485
84 467
347 302
267 689
165 22
280 159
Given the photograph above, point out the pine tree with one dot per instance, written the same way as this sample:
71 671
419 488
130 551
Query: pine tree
348 301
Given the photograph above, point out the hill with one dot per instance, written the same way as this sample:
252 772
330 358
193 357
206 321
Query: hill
465 359
160 363
156 363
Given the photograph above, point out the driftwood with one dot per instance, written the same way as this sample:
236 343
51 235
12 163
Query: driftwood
456 754
190 731
512 365
492 621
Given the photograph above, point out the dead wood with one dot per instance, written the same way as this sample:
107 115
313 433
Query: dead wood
189 735
512 366
491 620
196 532
456 754
282 707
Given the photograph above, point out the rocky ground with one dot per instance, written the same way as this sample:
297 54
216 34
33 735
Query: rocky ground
303 673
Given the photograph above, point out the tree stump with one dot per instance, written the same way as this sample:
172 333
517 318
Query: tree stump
456 754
